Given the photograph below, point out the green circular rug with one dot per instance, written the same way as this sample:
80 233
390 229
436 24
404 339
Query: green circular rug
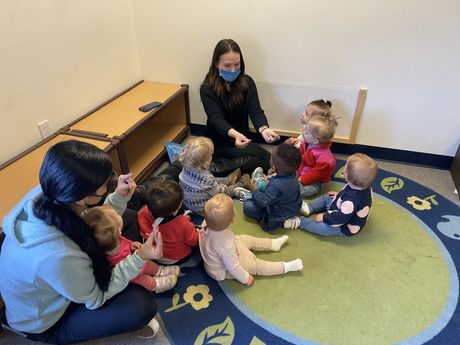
394 282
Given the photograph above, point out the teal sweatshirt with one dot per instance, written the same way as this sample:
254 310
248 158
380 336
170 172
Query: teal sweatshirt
42 270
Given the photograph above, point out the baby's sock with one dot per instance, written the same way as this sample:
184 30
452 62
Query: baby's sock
294 265
277 243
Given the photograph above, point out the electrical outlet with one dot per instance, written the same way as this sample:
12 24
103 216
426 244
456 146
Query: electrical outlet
44 128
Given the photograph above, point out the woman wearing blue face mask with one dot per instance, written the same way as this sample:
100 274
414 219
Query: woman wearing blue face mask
230 99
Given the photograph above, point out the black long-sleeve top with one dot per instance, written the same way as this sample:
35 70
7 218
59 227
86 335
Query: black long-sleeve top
220 120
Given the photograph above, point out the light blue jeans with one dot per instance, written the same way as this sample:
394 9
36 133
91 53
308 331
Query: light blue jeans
316 206
309 190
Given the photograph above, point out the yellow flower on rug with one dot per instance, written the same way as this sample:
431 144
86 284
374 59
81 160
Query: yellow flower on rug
189 298
422 204
195 290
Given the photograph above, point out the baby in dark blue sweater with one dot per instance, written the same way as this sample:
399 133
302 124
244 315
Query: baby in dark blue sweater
346 211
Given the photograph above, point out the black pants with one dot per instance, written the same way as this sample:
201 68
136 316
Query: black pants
252 156
226 159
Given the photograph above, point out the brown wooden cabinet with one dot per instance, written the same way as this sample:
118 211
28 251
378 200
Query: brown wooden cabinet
141 135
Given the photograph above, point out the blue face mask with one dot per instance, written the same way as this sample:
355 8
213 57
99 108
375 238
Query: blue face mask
229 76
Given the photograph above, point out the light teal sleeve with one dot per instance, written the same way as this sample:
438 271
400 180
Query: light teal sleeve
71 275
117 202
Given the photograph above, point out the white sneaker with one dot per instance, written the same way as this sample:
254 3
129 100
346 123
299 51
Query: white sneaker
292 223
242 193
305 210
165 283
257 174
168 270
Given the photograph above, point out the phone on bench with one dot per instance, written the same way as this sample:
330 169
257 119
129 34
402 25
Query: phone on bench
150 106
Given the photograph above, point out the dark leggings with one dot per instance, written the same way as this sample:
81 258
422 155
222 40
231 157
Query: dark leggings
226 159
252 156
127 311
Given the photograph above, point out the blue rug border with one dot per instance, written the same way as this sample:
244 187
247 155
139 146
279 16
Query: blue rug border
429 220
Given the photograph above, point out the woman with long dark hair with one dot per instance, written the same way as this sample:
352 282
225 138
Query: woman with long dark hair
56 282
230 100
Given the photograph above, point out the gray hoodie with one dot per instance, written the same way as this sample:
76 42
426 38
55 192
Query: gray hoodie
42 270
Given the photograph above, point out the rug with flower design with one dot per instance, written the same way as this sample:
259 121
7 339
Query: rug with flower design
396 282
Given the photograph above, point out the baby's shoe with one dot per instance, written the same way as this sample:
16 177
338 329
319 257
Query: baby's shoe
258 178
242 193
165 283
168 270
257 174
305 210
292 223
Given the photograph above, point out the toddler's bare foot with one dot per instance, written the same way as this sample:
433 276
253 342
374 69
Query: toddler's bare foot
234 176
245 180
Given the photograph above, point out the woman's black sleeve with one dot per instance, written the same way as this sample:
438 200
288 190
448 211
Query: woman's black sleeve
255 111
214 110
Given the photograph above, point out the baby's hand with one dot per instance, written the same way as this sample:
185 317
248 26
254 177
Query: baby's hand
135 246
292 141
319 217
250 281
332 193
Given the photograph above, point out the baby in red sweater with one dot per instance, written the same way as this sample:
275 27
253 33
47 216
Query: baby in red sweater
318 162
164 200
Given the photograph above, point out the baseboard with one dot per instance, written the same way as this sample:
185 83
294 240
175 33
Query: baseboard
395 155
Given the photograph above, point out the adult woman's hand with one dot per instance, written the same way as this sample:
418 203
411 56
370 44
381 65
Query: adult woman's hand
241 141
270 135
126 186
149 251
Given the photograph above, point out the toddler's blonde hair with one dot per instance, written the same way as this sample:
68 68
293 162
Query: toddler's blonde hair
218 212
103 227
361 170
322 127
197 153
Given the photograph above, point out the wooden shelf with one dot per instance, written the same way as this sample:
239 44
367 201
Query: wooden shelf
122 114
141 135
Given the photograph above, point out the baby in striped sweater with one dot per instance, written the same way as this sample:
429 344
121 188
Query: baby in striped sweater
197 181
227 256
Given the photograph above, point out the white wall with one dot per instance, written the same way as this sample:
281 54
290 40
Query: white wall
406 53
58 60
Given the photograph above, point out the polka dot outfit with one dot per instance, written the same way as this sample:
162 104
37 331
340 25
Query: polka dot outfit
349 210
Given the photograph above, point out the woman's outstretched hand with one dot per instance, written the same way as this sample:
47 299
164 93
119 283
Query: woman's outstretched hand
149 251
241 141
270 136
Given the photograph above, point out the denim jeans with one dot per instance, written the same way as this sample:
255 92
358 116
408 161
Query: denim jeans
127 311
309 190
251 209
318 205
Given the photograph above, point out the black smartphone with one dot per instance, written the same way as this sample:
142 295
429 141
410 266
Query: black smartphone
150 106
